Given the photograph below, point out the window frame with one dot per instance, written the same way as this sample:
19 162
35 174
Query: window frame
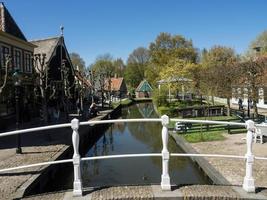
2 54
15 64
27 62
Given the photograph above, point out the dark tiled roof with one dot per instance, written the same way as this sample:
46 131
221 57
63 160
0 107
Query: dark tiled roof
8 24
46 46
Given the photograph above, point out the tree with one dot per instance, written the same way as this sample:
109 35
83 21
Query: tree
77 61
119 67
259 42
220 72
139 56
254 77
103 65
167 47
176 75
136 65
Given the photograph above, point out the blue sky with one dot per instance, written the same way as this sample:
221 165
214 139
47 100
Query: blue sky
96 27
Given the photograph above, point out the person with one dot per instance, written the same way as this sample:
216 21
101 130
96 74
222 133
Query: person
250 103
240 102
93 110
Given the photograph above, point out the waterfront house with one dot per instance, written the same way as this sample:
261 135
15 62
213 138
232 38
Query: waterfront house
143 90
58 71
14 44
116 86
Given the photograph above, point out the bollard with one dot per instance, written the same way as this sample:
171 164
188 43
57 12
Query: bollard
248 184
77 183
165 178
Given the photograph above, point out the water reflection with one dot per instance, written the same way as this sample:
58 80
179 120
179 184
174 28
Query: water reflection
123 138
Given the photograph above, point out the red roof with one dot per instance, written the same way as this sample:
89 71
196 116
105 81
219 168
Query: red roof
115 84
81 78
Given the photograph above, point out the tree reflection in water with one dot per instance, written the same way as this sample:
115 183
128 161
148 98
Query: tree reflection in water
124 138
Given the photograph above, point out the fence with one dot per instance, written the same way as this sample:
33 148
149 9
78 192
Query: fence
248 182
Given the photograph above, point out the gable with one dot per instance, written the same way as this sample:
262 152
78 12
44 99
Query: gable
8 24
144 86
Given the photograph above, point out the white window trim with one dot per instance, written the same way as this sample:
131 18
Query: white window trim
2 54
25 64
21 60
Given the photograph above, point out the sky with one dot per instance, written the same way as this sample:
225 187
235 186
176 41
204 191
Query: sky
117 27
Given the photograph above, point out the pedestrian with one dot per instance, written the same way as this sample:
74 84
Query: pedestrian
240 104
250 103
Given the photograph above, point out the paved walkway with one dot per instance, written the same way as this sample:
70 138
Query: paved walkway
193 192
232 169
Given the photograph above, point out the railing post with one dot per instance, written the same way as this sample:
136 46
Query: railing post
165 178
248 184
77 183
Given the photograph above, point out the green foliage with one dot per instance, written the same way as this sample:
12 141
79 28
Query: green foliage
119 67
136 65
260 41
107 66
163 110
103 67
160 99
167 48
204 136
134 74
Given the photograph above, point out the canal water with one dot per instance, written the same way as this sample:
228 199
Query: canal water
132 138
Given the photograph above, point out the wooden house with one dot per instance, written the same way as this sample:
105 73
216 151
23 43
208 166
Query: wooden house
144 90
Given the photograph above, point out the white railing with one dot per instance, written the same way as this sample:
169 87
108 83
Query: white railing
248 183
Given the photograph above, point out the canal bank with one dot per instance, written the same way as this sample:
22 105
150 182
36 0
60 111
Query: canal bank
41 147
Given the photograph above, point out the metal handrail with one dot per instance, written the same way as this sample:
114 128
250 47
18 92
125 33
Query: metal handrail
248 183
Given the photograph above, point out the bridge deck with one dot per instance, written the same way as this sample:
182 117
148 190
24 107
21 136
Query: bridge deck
154 192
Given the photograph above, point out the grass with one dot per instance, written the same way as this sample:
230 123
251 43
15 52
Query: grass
215 118
199 133
204 136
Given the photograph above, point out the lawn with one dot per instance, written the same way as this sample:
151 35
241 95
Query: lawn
204 136
204 132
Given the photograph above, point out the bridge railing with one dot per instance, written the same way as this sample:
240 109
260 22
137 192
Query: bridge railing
248 182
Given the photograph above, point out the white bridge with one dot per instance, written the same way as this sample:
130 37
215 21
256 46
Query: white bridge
248 183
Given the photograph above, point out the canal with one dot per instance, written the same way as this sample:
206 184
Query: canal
128 138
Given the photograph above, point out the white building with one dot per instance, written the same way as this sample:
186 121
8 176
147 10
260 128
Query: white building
242 93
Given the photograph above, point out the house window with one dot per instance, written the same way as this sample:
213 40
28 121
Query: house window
4 51
28 62
17 59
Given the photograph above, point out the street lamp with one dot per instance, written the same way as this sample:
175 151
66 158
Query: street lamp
17 84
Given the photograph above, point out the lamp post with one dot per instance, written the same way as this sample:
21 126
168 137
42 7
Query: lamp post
17 84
